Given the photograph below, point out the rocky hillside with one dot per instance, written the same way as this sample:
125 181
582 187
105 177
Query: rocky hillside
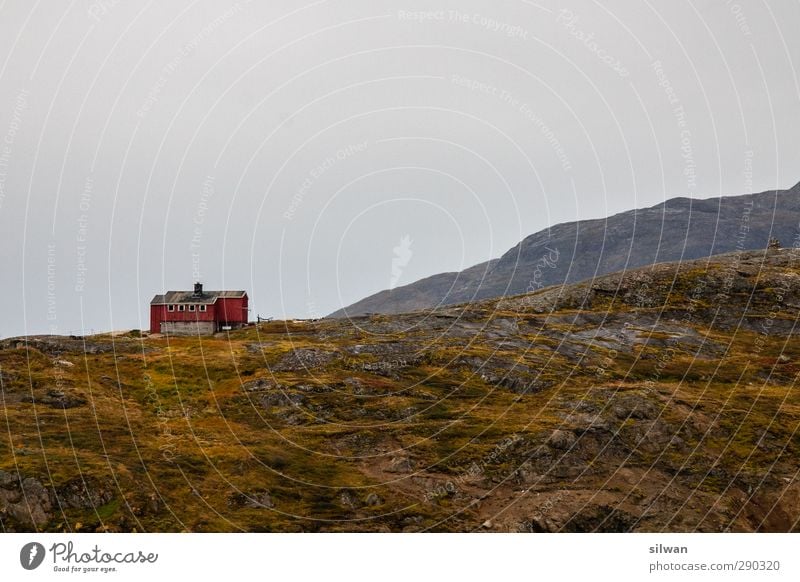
679 229
661 399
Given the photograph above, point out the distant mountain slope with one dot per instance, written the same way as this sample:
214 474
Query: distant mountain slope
678 229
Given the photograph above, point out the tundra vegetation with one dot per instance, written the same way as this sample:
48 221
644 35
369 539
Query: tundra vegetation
658 399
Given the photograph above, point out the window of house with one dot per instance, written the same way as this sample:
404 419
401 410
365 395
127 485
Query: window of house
181 308
191 308
170 308
202 308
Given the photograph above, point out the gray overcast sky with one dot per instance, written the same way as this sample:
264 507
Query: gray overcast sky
290 149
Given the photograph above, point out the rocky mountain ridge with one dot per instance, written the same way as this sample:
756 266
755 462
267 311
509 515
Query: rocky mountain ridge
678 229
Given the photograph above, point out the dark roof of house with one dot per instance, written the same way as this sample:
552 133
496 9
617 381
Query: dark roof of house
189 297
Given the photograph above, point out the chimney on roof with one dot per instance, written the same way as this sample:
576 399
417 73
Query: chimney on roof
198 289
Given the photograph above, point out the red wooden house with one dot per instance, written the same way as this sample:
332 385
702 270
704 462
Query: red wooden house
198 312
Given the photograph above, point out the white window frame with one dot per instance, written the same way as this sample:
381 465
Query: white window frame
191 308
181 308
203 308
170 308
